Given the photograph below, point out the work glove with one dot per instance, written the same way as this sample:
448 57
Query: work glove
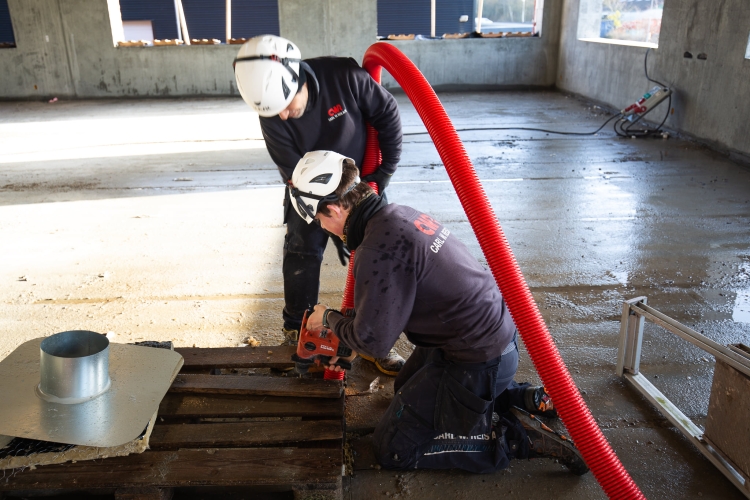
344 252
380 178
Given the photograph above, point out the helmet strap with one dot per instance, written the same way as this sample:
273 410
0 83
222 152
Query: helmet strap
301 80
285 61
351 188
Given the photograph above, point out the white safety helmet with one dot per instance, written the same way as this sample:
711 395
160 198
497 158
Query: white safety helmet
315 179
267 73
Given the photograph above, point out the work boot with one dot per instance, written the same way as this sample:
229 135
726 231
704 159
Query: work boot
546 443
390 365
538 402
290 336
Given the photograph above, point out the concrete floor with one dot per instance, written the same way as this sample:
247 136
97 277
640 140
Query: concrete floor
161 220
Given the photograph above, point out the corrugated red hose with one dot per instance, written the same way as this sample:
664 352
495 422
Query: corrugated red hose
370 162
599 456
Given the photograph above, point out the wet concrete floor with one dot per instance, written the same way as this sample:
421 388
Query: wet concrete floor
161 220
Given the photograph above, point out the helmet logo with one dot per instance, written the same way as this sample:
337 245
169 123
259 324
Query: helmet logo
321 179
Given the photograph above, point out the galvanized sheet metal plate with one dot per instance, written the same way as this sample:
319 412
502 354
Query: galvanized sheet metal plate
140 378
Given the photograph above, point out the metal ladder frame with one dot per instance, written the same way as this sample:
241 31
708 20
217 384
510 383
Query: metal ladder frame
634 313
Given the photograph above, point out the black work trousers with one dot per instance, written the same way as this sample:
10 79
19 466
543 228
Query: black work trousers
304 245
441 414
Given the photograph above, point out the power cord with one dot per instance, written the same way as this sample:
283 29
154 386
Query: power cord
619 127
529 128
645 69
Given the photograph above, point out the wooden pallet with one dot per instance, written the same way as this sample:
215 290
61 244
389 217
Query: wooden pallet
252 432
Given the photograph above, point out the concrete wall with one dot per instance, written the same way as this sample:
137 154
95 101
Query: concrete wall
712 96
65 49
488 63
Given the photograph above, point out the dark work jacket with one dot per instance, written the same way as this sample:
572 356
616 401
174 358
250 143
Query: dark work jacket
342 99
413 275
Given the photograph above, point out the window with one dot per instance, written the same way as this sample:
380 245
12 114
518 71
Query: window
747 51
627 22
207 18
204 19
515 16
396 17
457 17
7 40
159 14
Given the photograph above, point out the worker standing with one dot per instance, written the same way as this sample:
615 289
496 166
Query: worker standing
455 403
306 105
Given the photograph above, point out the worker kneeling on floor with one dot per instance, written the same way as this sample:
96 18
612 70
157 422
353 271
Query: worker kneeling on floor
456 405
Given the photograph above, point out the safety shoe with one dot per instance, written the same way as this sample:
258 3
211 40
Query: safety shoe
538 402
546 443
290 337
390 365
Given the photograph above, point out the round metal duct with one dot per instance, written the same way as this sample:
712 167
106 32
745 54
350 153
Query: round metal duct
74 367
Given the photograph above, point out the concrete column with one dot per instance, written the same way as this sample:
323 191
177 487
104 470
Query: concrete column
329 27
38 66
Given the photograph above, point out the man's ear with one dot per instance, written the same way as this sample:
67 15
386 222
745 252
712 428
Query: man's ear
335 210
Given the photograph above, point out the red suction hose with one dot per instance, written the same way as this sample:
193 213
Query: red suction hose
599 456
370 162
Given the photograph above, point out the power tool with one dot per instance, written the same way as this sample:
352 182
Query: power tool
318 348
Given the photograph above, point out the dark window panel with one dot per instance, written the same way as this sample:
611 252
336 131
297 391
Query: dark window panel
403 17
396 17
448 12
254 17
207 18
6 27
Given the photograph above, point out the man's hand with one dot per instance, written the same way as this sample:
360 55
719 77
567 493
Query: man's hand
380 178
315 320
332 362
344 252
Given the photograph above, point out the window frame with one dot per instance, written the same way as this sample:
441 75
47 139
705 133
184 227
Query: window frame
240 10
589 21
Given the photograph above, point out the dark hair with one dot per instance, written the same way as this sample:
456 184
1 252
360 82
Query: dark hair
349 200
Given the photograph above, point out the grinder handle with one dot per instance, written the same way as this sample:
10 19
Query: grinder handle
346 365
343 351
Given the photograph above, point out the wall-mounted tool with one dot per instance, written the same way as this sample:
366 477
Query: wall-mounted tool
649 101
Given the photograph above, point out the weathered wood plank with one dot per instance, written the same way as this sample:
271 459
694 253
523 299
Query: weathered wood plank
145 493
237 357
293 467
244 434
257 386
229 406
319 492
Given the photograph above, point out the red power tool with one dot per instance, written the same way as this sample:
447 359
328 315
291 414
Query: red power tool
318 348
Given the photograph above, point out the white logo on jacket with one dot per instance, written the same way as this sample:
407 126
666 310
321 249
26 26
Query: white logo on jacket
440 240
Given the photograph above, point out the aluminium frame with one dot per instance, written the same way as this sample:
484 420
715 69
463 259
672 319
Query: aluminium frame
634 313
